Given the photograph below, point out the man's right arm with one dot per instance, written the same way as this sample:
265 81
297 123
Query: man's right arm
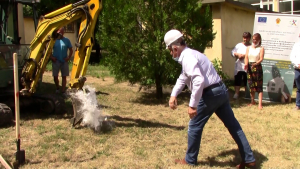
52 57
180 83
234 50
293 56
176 90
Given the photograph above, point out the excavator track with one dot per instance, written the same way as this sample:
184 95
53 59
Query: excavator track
49 104
52 104
6 116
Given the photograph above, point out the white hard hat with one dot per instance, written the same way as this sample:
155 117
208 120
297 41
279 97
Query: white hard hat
171 36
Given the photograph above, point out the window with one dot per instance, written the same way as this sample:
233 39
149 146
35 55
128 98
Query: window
69 28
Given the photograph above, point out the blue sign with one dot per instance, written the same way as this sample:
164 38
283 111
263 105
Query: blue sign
262 19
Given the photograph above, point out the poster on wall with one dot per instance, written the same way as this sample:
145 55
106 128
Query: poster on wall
279 32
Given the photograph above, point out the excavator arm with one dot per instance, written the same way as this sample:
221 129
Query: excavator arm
42 44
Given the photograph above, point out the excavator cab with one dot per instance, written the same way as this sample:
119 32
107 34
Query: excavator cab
9 22
12 39
10 42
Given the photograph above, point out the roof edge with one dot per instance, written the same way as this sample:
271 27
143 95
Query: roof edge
239 4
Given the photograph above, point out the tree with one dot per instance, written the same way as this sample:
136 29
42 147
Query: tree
46 6
132 33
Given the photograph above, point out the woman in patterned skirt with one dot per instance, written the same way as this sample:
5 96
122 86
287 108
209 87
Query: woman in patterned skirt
253 58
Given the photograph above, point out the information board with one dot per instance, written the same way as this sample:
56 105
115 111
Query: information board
279 32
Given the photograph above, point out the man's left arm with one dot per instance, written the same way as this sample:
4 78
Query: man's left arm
70 52
70 48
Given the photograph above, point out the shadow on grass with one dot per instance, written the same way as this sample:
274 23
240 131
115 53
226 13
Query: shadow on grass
184 97
123 122
150 98
243 102
212 162
101 93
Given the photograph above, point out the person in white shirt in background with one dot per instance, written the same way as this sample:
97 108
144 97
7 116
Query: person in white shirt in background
295 59
209 95
238 52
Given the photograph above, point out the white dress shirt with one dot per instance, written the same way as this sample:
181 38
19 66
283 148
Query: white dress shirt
295 55
239 63
197 73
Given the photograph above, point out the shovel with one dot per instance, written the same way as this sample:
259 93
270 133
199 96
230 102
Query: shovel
20 154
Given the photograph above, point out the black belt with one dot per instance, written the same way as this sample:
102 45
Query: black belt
213 86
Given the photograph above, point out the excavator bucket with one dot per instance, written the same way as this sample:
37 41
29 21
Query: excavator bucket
78 116
77 106
87 112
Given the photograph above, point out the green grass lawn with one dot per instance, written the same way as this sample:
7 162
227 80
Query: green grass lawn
95 70
148 134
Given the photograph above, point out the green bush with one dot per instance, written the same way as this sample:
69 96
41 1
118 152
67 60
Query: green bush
218 66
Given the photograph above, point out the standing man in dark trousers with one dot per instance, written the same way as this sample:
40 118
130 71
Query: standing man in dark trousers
240 75
209 95
295 59
60 59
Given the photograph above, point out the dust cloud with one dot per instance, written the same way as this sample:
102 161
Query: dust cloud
90 110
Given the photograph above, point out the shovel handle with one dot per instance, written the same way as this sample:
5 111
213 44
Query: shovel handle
16 85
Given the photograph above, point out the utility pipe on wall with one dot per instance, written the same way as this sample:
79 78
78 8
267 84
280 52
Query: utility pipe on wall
292 7
276 5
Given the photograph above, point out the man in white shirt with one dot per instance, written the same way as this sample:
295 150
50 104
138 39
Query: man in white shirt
209 95
238 53
295 59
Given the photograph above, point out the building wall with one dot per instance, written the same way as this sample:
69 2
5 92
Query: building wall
230 22
285 6
30 32
21 23
235 21
216 50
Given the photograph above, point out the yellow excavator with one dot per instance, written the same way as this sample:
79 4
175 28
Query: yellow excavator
46 34
41 46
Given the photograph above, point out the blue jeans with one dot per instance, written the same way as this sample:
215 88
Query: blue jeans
216 100
297 80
